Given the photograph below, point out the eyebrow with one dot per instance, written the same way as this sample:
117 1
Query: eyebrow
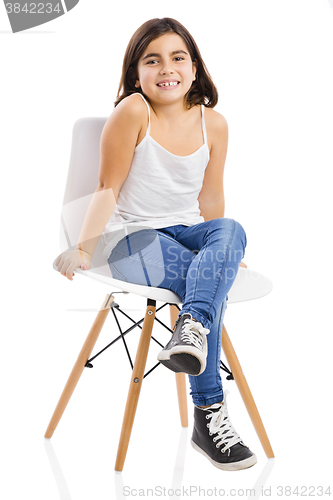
154 54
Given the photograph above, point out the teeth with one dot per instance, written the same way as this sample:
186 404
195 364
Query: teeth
168 84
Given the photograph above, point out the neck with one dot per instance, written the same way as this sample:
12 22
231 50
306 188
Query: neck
169 111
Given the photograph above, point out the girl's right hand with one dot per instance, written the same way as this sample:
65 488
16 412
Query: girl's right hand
70 260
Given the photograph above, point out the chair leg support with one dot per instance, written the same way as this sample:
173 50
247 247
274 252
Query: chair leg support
245 393
180 379
79 365
135 385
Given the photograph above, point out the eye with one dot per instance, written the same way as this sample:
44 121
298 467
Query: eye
152 61
179 58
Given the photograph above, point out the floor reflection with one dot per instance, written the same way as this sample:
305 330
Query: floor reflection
119 485
177 478
262 479
57 472
178 470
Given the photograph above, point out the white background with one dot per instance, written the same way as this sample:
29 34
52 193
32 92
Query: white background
272 64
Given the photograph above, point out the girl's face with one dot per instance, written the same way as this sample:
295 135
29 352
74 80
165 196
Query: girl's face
165 69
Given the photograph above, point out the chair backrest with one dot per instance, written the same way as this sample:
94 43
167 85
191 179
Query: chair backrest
82 176
82 180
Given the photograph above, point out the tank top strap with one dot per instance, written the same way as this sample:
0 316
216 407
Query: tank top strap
203 123
148 128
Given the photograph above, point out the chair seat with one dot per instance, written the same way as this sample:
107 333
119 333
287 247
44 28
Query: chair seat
248 285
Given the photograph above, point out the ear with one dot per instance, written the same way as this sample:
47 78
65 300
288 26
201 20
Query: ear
137 84
194 69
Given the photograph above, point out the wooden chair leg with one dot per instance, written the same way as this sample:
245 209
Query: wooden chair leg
182 398
79 365
135 384
245 392
180 379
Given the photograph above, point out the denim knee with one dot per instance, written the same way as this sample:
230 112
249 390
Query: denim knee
230 226
240 233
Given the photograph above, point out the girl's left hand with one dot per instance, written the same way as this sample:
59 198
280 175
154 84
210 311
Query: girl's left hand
242 264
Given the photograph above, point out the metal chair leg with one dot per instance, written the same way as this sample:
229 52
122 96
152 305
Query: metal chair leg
79 365
245 393
135 384
180 379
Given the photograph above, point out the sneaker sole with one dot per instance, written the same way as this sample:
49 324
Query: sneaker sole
243 464
183 362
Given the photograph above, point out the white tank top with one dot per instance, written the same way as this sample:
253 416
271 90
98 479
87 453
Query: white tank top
161 189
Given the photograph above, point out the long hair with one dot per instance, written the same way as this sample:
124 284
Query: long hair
202 91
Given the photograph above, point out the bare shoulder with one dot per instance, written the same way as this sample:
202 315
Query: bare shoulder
215 122
217 130
118 141
133 104
130 112
125 123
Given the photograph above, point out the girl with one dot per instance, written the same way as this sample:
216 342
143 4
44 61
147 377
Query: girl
163 151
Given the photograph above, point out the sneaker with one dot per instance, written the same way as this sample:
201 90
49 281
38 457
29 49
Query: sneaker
216 439
186 352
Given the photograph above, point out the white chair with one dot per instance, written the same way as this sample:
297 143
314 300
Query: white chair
81 184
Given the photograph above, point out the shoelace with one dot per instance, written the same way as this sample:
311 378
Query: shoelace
192 332
222 427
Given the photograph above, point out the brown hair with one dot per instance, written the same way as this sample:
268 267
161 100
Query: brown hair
202 91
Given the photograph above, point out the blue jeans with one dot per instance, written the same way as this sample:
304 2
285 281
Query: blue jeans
199 263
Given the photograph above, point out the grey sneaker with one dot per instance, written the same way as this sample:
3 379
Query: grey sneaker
186 352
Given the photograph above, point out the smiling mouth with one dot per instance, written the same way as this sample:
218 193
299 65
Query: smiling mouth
168 84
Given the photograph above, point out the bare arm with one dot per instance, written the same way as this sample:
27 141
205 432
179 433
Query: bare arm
211 197
118 141
99 212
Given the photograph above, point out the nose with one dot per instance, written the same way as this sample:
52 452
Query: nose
167 69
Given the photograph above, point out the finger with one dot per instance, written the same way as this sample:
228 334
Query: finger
66 265
62 268
64 274
58 263
70 277
63 263
70 270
